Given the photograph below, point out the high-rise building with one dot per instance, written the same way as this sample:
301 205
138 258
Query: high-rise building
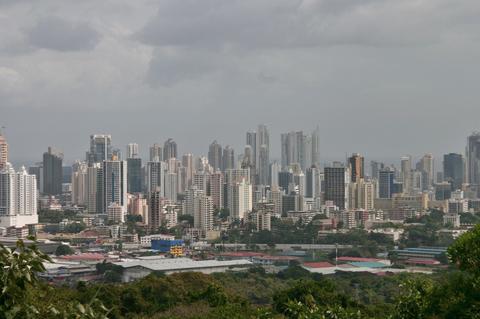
241 200
375 169
156 153
361 195
252 142
473 159
115 184
132 150
228 159
187 162
171 186
95 188
316 147
169 149
203 213
274 170
313 182
52 172
156 177
18 197
426 166
134 175
337 178
100 148
263 164
215 156
356 165
79 183
386 183
406 174
215 187
453 171
3 151
155 210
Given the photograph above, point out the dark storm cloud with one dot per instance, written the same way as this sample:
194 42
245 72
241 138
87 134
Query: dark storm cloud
55 33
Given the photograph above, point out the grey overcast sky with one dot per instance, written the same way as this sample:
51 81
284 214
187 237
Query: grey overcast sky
380 77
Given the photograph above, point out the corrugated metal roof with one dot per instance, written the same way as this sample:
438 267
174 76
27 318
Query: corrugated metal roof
170 264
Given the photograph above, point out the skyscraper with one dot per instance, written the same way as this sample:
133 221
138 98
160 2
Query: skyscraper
187 162
453 171
427 167
156 177
203 213
262 154
406 174
252 142
132 150
18 197
386 183
241 200
79 183
356 165
3 151
316 147
156 153
134 175
169 149
228 159
100 148
215 155
52 172
473 158
337 179
115 184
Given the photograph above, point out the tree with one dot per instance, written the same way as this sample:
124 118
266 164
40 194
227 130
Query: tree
465 251
64 250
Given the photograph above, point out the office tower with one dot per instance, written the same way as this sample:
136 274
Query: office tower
418 181
156 177
203 213
215 187
275 197
156 153
134 175
307 153
155 210
274 170
356 165
337 178
252 142
285 179
473 159
291 203
426 166
313 182
169 149
132 150
300 183
52 172
240 200
215 156
18 197
187 162
249 158
375 169
79 183
453 171
3 150
406 174
316 147
443 191
386 183
171 187
293 149
228 160
115 184
100 148
263 165
37 170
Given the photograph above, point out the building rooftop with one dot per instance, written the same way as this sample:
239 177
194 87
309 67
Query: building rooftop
171 264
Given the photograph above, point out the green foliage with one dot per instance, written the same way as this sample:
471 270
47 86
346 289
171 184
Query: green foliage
64 250
75 227
111 273
465 252
414 301
54 216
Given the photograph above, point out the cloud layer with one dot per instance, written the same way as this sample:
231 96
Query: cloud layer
381 77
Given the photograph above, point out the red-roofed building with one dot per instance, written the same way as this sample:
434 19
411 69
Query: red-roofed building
320 264
347 259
